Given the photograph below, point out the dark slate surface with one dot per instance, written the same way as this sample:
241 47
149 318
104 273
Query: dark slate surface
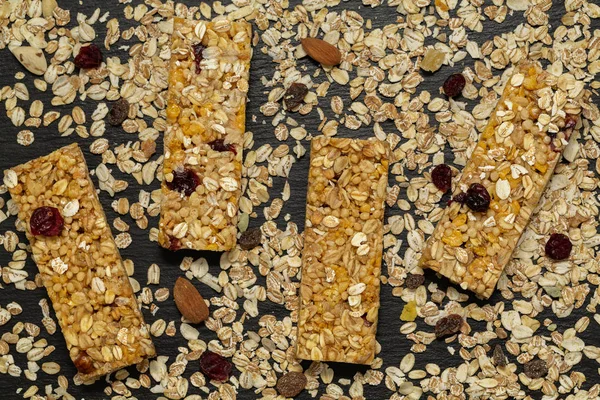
143 252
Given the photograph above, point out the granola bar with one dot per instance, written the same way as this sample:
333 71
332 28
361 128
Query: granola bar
343 242
208 83
509 169
79 263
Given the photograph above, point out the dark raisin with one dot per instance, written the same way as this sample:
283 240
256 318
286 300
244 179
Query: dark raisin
448 325
478 198
118 112
184 181
441 176
499 357
460 198
535 369
454 85
291 384
413 281
46 221
558 247
84 363
294 95
219 145
215 366
250 239
174 243
88 57
197 49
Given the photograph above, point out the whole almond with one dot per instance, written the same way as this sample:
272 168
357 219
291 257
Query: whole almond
189 301
321 51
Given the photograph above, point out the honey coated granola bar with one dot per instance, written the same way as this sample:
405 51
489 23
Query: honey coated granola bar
339 292
79 263
208 83
505 177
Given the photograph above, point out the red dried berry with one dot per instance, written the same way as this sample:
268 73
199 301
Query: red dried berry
448 325
84 363
478 198
46 221
454 85
197 49
215 366
174 243
558 247
89 57
184 181
294 95
441 176
219 145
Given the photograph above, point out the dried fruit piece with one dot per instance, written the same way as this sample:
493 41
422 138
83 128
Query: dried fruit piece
478 198
118 112
448 325
499 357
215 366
454 85
433 60
31 58
46 221
459 198
184 181
219 145
197 49
558 247
84 363
294 95
409 311
88 57
174 243
321 51
535 369
250 239
441 176
413 281
291 384
189 301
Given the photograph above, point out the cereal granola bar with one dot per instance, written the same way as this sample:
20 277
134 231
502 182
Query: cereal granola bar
505 177
343 242
208 83
79 262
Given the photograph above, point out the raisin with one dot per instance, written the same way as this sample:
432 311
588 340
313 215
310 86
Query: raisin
197 50
558 247
499 357
184 181
294 95
535 369
250 239
459 198
84 363
291 384
441 176
46 221
366 322
454 85
215 366
88 57
219 145
478 198
448 325
118 112
570 122
174 243
413 281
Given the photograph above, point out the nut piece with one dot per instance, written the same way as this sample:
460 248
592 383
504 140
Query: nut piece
31 58
189 301
321 51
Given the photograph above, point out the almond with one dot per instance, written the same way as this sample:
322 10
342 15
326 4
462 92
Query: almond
189 301
321 51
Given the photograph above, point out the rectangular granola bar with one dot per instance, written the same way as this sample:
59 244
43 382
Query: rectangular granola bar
208 83
514 161
343 243
79 262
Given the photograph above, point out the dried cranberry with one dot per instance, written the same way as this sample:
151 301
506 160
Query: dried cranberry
118 112
291 384
197 49
413 281
570 122
174 243
215 366
294 95
441 176
454 85
535 369
250 238
478 198
448 325
184 181
558 247
84 363
46 221
89 57
219 145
